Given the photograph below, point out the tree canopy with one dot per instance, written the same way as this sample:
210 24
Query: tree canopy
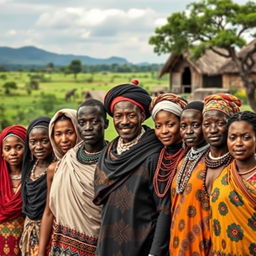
75 67
222 26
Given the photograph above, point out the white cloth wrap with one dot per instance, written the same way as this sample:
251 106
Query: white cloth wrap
166 105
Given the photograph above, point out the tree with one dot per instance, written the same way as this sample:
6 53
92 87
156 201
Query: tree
218 25
8 86
75 67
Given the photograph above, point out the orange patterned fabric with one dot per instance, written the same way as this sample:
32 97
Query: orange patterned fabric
190 231
223 102
233 222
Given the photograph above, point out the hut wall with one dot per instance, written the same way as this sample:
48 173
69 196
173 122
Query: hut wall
232 81
175 82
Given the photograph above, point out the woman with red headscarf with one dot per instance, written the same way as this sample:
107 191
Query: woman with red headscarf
11 219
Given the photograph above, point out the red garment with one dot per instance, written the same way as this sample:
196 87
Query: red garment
10 202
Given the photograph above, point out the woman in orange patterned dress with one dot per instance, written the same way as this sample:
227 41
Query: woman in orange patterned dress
233 198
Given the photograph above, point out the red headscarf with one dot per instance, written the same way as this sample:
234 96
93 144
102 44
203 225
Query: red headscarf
10 202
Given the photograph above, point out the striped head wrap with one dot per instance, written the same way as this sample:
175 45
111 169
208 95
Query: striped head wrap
168 102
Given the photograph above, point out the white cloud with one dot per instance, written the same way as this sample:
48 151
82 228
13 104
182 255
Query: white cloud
11 32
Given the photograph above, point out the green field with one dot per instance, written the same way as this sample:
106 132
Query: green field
21 106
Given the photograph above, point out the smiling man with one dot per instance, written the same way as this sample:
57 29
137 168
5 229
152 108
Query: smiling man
134 220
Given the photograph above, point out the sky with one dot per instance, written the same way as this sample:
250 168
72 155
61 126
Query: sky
96 28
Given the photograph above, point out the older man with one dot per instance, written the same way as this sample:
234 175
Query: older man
134 220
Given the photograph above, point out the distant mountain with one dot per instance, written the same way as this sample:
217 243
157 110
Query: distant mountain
30 55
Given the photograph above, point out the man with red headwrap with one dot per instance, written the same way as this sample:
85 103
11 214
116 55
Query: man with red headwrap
134 220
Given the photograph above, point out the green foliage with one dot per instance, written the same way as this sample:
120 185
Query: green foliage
8 86
3 120
75 67
47 102
206 24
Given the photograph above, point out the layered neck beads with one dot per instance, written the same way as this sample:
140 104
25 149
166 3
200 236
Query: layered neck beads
193 156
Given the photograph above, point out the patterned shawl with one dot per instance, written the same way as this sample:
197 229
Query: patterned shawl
10 202
71 195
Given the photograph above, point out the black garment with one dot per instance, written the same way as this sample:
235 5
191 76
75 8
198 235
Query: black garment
134 220
33 192
130 91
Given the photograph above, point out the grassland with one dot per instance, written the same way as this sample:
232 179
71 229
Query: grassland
21 105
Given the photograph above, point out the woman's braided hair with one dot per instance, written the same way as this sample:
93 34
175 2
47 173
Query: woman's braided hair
247 116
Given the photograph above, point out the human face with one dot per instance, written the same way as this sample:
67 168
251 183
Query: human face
64 135
13 150
91 125
241 140
39 143
128 119
191 127
215 128
167 128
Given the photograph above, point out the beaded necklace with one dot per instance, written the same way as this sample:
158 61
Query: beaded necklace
216 162
15 176
193 156
165 170
85 157
33 175
122 147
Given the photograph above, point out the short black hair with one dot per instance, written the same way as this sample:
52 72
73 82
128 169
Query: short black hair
94 103
247 116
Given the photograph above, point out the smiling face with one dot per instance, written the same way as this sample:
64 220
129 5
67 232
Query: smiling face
91 125
215 128
39 143
64 135
128 119
167 128
191 127
241 140
13 150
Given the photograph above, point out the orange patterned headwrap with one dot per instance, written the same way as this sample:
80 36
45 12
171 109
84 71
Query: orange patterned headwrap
223 102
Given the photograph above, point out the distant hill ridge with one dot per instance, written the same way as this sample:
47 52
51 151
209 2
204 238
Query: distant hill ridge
30 55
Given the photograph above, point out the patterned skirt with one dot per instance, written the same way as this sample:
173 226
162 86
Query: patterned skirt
66 241
10 233
29 241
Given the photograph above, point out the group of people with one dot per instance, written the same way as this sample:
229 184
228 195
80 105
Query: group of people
185 187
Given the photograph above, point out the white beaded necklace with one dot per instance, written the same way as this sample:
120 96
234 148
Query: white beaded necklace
122 147
192 155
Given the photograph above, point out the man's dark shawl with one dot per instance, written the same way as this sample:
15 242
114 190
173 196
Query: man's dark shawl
129 177
33 192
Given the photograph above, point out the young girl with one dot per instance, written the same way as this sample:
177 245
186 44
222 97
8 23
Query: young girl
11 219
37 157
233 197
166 111
63 135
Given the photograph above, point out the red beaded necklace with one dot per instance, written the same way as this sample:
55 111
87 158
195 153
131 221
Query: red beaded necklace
166 169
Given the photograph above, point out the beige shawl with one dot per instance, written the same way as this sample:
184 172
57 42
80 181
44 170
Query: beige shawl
71 195
70 113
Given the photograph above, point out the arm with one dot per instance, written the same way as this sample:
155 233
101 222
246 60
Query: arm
160 244
47 219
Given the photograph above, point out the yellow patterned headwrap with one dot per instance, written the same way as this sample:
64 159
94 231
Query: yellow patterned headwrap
223 102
